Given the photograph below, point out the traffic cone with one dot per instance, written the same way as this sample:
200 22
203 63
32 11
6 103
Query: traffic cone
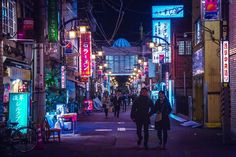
39 145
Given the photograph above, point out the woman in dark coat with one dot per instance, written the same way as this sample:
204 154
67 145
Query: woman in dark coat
162 106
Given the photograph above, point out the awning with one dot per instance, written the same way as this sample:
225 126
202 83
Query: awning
16 63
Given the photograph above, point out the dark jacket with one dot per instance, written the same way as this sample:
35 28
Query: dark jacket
141 108
165 109
116 101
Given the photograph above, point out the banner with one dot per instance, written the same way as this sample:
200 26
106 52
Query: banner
52 21
85 55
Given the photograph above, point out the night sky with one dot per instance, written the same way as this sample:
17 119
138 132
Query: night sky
135 12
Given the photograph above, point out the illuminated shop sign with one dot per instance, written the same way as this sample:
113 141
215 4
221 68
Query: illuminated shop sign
19 108
63 77
52 20
162 29
86 53
168 11
167 80
25 28
225 61
198 62
211 9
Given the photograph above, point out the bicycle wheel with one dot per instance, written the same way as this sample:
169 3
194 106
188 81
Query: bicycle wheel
24 139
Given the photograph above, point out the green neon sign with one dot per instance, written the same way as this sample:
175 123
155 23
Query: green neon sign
52 21
19 108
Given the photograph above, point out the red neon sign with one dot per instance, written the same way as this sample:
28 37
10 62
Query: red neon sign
85 54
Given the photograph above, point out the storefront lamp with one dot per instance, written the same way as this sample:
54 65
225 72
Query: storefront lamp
139 61
100 53
145 63
105 65
93 57
82 29
151 45
100 67
72 34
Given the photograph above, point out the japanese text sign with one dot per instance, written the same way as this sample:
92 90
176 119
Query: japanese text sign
225 62
86 53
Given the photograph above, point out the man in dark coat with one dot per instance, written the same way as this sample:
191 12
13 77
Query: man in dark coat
117 100
162 106
140 114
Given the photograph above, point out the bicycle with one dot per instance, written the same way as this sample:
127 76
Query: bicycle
22 139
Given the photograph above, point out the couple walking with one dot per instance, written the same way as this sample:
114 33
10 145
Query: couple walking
143 108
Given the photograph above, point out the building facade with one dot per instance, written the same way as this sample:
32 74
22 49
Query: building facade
17 38
206 65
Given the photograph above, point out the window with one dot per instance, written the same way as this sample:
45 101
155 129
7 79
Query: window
184 47
181 47
9 17
121 64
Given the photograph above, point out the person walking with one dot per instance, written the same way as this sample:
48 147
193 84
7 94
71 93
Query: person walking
117 100
106 103
140 115
162 123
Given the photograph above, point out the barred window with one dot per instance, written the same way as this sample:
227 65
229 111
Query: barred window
184 47
181 47
9 17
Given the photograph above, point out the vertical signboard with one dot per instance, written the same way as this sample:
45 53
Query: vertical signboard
52 20
162 29
19 108
63 77
211 9
85 55
225 62
167 80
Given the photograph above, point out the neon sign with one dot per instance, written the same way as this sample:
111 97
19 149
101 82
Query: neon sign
63 77
19 108
161 28
86 53
225 62
168 11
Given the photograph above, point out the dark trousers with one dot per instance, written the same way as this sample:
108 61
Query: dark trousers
106 111
117 111
139 126
162 135
124 106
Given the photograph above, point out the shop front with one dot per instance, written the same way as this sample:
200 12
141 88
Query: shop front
15 80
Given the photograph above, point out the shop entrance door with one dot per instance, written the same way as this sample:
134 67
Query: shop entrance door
198 101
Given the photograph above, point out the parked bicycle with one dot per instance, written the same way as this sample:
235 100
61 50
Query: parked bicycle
13 138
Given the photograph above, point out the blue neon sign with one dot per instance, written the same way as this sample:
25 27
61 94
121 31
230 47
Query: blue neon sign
168 11
19 108
162 28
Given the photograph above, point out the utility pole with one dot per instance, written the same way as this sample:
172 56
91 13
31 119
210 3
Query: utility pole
225 86
38 62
